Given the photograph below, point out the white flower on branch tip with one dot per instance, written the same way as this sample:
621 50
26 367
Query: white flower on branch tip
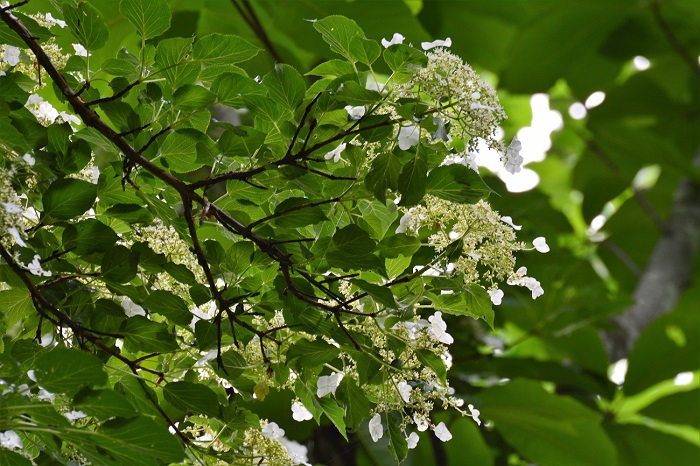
10 439
442 432
300 413
421 422
408 137
395 39
405 391
540 244
496 296
11 56
355 113
412 440
328 384
12 208
509 220
29 159
376 430
436 43
132 309
475 414
35 267
81 51
513 159
438 329
272 431
53 21
75 415
14 232
335 153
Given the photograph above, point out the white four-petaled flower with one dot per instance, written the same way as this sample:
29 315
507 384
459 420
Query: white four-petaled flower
475 414
395 39
438 329
300 413
10 439
335 153
355 113
11 55
513 159
81 51
442 433
376 430
496 296
405 391
273 431
408 137
328 384
540 244
412 440
436 43
509 220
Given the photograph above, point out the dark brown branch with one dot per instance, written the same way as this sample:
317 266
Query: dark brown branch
116 96
15 5
249 16
292 209
302 122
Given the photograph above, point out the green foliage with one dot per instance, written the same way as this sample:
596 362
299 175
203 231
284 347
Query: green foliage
237 210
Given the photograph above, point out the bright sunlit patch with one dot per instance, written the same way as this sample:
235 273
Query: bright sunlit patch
596 224
595 99
618 371
577 111
642 63
684 378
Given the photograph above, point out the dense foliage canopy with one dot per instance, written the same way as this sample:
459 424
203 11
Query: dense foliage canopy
246 232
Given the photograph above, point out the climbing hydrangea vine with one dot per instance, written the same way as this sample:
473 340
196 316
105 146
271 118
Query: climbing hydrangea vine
163 273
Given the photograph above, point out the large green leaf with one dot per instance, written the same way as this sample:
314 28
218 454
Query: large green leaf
169 305
192 397
150 18
141 334
412 180
87 24
15 304
311 354
457 183
339 33
285 85
119 264
352 247
65 370
383 175
547 429
103 404
67 198
223 49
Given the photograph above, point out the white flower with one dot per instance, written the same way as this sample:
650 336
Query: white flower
300 413
408 137
45 395
10 439
412 440
496 296
35 267
297 452
442 433
2 73
405 391
509 221
395 39
81 51
475 414
75 415
272 430
405 223
328 384
12 208
34 99
540 244
132 309
11 55
29 159
355 113
513 159
68 118
436 43
438 329
421 422
376 430
53 21
335 153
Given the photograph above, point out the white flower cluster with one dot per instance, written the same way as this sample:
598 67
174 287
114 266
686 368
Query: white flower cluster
11 212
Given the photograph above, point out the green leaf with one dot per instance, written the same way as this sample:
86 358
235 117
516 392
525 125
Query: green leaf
172 60
398 446
130 213
457 183
168 305
150 18
88 236
403 58
119 264
86 24
311 354
223 49
64 370
67 198
285 86
179 150
365 50
547 429
338 32
357 405
107 317
399 244
10 458
15 304
298 218
192 397
229 88
434 362
103 404
352 247
412 181
141 334
382 294
139 442
241 142
325 405
332 68
383 175
355 94
190 97
639 445
479 303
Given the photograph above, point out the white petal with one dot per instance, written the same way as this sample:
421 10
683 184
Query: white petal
412 440
395 39
475 414
436 43
10 439
496 296
272 430
540 244
509 221
81 51
408 137
405 391
442 433
11 55
300 413
376 430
